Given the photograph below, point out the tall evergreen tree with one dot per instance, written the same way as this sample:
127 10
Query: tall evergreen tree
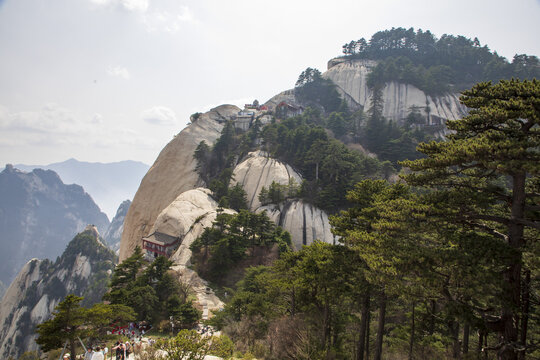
487 176
67 324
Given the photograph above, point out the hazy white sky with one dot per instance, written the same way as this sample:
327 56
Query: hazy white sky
110 80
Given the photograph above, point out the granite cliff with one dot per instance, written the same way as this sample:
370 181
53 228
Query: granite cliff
172 173
113 235
350 77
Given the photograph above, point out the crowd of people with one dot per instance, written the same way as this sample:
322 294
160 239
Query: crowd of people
120 350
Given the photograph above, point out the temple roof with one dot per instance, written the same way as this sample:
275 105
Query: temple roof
161 238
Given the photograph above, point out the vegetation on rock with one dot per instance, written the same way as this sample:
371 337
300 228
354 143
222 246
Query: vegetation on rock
450 63
232 238
419 270
151 291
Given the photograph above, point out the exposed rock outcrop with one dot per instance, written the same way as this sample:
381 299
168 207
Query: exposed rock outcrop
187 217
113 235
172 173
83 270
286 96
305 222
38 216
350 76
259 170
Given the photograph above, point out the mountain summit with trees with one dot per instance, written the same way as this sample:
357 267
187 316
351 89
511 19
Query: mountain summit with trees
437 65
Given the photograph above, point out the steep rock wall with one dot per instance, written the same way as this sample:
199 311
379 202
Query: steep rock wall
172 173
259 170
113 235
350 76
187 217
305 222
11 308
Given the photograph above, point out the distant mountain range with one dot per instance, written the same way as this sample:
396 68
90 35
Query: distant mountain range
39 215
109 184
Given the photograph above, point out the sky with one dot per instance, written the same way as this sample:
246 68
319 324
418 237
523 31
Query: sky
112 80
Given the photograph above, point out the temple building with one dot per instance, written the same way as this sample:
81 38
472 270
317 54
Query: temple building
158 243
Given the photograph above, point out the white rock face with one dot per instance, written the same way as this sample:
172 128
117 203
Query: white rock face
287 96
41 311
172 173
187 217
259 170
9 313
350 76
305 222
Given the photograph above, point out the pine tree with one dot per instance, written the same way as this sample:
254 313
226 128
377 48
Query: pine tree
67 324
487 176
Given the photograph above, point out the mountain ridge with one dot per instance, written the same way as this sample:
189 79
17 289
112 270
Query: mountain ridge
39 215
109 184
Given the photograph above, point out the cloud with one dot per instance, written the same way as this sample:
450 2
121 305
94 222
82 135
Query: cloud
97 118
140 6
56 125
186 15
159 115
135 5
168 19
119 71
155 15
51 121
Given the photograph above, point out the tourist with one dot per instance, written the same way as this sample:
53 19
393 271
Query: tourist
98 355
89 353
127 348
120 350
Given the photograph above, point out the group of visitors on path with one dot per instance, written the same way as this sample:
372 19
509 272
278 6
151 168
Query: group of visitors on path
120 351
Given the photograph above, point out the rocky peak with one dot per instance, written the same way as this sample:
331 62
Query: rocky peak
350 77
259 170
113 235
42 284
92 230
172 173
39 215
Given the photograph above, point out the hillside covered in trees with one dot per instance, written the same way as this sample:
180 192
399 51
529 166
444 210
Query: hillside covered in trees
437 65
440 265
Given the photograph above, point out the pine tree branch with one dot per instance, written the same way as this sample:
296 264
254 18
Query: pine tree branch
533 224
493 218
499 195
490 230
